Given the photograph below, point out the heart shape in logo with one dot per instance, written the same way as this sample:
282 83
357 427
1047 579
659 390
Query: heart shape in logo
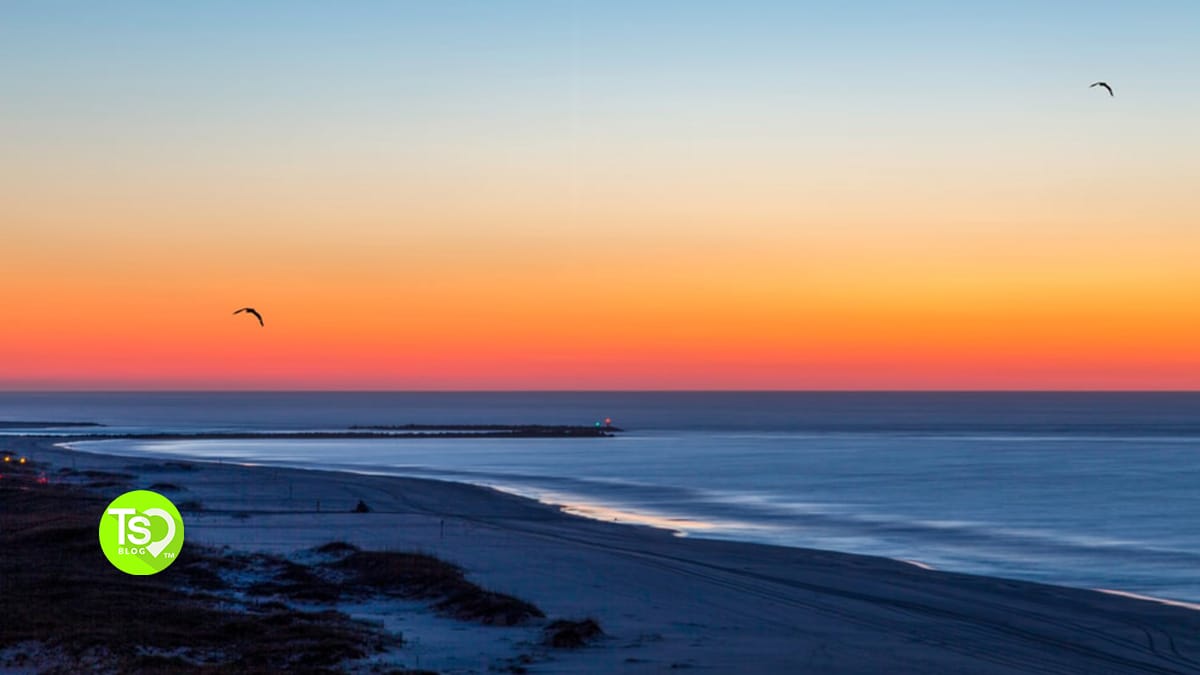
157 547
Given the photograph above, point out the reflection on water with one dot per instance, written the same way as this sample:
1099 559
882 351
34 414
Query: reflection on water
572 504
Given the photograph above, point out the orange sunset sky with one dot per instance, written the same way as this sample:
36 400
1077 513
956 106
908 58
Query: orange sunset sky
599 196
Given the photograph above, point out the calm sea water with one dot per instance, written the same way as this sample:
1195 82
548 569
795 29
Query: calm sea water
1091 490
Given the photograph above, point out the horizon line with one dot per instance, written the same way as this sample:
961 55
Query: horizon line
600 391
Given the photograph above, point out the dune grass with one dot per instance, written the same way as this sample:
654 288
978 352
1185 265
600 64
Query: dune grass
567 634
350 571
64 607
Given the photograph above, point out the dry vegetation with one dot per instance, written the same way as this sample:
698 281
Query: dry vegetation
345 571
414 575
64 608
566 634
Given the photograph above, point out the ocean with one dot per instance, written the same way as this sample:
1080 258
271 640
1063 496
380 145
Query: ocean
1094 490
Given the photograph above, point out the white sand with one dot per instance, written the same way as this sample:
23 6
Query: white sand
668 602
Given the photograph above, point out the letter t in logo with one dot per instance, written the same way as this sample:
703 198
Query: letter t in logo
120 514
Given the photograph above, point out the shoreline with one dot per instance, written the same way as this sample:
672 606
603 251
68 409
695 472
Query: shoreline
681 522
583 509
588 510
666 601
594 511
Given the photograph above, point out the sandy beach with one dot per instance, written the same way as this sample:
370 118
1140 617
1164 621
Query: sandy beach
664 602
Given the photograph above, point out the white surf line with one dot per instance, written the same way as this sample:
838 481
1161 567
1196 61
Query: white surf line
1151 598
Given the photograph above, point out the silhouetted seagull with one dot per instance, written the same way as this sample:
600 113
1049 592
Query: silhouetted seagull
251 310
1102 84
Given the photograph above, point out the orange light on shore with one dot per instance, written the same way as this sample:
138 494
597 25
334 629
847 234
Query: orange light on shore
7 458
22 461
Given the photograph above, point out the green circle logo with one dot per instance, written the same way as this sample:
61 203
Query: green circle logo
141 532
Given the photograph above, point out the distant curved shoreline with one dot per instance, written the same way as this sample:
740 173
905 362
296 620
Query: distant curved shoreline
413 431
19 424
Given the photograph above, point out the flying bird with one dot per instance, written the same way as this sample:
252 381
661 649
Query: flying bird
251 310
1102 84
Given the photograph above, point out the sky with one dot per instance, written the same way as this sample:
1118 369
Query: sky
599 195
